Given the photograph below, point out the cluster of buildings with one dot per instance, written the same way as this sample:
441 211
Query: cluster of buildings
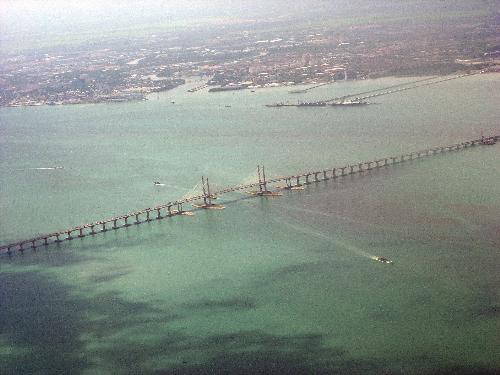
129 71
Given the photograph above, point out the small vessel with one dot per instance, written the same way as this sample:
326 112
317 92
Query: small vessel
488 141
356 102
156 183
311 104
384 260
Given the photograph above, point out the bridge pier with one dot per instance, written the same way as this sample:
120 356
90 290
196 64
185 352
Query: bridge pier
82 231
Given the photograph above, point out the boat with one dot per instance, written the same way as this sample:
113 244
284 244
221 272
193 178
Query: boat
488 141
349 103
311 104
384 260
156 183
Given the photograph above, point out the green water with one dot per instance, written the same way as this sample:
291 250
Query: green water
282 285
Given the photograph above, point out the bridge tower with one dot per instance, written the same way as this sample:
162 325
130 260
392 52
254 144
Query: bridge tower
207 197
262 179
263 191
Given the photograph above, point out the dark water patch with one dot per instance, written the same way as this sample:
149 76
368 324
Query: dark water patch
492 311
225 304
460 370
383 313
255 352
107 275
43 324
294 269
54 255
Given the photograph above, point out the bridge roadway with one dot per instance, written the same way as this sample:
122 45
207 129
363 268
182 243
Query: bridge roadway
175 208
358 94
378 92
387 92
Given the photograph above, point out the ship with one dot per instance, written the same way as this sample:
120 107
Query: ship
311 104
488 141
356 102
383 260
277 105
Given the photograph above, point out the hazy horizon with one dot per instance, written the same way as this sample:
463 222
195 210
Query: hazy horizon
29 24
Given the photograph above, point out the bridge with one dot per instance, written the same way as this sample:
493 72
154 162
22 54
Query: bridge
176 208
364 95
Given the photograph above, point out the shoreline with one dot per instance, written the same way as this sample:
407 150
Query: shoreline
123 98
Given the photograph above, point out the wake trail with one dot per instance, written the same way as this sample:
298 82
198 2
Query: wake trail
345 245
343 218
41 169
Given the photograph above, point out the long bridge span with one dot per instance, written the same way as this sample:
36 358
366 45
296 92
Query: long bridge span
388 90
176 208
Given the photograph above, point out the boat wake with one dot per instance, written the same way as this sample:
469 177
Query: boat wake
345 245
45 168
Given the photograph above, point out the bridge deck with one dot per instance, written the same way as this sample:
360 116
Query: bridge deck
175 208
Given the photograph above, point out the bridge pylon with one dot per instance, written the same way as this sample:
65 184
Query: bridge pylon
263 191
262 179
208 196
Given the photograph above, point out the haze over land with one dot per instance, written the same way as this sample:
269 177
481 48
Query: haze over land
70 52
30 23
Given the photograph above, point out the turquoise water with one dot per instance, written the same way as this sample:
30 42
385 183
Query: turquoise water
283 285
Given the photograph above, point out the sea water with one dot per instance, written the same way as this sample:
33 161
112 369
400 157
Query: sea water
268 285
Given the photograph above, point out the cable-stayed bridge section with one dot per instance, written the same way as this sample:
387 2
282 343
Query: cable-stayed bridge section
204 200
